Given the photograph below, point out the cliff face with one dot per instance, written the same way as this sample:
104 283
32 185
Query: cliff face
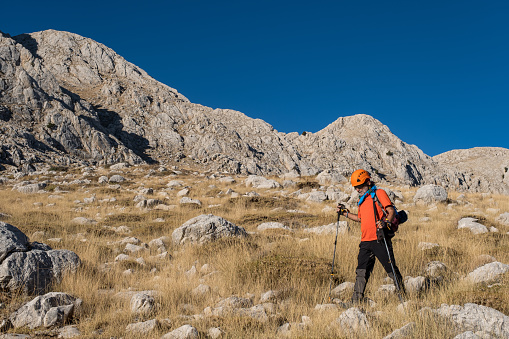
481 169
66 99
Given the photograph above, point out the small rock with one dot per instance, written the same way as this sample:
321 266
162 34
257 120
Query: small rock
142 303
272 225
183 332
144 327
116 179
404 332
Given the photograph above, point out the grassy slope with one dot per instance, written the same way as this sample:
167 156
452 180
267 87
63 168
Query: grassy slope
296 262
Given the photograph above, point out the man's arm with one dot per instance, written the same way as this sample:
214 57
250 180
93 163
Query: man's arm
391 213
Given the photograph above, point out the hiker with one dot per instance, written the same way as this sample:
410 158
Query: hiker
372 244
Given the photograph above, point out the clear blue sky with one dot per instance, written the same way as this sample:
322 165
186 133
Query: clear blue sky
435 72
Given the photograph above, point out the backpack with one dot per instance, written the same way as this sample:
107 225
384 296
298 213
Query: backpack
400 217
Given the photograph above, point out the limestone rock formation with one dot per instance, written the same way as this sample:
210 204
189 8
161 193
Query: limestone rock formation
31 267
11 240
480 169
474 317
183 332
51 309
430 194
205 228
66 99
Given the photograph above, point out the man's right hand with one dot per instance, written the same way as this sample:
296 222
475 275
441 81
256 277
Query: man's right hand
341 209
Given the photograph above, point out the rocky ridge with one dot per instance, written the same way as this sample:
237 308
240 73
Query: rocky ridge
66 99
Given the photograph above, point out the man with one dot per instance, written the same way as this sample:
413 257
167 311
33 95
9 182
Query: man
372 245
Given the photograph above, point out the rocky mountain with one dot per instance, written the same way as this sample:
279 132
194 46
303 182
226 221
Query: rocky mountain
482 168
66 99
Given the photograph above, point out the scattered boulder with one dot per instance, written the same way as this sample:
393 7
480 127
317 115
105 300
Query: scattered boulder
201 290
336 195
11 240
215 332
326 307
189 201
472 317
257 312
430 194
149 203
175 183
353 321
403 332
330 177
241 307
427 246
472 225
415 285
343 290
271 296
144 327
235 302
31 267
260 182
116 179
70 331
183 192
102 179
488 273
142 303
227 180
83 221
119 166
272 226
435 270
183 332
205 228
131 248
51 309
503 218
35 270
329 229
476 335
385 291
314 196
158 244
30 188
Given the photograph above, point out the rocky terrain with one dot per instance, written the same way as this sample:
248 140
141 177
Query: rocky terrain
147 251
68 100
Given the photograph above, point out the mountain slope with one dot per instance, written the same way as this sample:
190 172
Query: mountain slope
68 99
484 169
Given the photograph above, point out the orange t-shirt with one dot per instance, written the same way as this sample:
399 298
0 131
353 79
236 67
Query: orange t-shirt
368 223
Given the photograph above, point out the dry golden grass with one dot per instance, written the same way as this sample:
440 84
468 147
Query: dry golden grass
296 263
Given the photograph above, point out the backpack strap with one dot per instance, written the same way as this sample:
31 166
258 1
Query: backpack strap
375 198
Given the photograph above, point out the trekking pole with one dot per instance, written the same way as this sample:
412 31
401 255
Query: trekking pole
396 282
333 257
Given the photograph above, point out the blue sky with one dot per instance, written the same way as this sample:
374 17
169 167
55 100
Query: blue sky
435 72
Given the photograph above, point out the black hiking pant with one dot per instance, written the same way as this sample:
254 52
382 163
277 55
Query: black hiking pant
368 251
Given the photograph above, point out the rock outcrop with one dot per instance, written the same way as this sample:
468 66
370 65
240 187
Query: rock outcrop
31 267
66 99
205 228
51 309
480 169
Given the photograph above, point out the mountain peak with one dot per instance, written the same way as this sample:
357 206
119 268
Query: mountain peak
67 99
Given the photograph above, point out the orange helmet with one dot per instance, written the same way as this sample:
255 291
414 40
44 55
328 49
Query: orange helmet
359 177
